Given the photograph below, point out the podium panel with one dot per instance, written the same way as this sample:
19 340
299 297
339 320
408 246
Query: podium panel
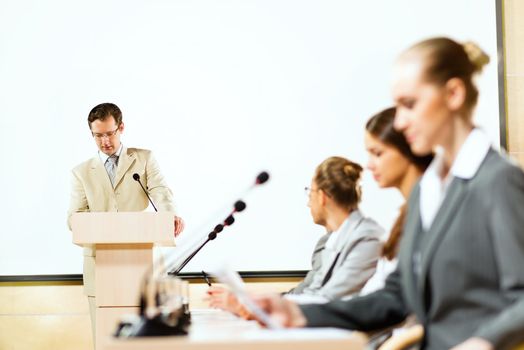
123 242
119 272
123 227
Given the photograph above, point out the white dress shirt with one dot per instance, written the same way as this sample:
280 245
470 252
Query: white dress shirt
103 157
433 188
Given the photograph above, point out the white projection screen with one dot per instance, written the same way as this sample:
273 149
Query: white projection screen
219 90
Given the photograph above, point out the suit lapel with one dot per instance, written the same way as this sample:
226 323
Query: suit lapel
332 261
344 240
439 228
126 160
99 171
412 231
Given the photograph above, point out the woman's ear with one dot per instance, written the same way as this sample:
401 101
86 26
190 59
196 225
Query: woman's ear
455 90
323 197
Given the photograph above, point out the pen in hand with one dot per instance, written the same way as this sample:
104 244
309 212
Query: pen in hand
206 278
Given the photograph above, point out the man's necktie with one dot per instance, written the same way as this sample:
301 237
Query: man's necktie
110 165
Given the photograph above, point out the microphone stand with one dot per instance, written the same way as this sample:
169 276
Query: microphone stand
177 321
136 177
239 206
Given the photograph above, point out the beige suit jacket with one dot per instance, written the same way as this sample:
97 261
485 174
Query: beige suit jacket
92 192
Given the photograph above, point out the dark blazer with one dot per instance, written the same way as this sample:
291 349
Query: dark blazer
464 277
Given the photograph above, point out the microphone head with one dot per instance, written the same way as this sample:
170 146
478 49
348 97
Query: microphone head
229 220
136 177
240 206
262 178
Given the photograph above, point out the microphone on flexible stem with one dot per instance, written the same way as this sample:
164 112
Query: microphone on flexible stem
239 206
229 220
136 177
262 178
157 325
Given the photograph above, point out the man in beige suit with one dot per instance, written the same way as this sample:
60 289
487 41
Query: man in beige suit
105 183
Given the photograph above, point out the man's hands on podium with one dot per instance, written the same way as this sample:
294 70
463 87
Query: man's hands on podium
179 225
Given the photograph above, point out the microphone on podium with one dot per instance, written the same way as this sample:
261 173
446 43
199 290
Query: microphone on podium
136 177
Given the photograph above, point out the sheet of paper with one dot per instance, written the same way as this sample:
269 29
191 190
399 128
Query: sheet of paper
297 334
232 279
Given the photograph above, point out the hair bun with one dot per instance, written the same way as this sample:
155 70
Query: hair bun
476 56
353 171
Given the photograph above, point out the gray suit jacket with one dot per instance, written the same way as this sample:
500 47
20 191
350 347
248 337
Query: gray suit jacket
464 277
316 265
358 249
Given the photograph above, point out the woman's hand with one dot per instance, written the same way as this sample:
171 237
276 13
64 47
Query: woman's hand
474 344
221 298
282 311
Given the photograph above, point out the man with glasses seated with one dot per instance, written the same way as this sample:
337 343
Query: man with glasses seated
105 182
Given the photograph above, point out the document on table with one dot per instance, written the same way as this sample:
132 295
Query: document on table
297 334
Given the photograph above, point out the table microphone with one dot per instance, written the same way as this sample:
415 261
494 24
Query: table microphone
136 177
239 206
262 178
159 325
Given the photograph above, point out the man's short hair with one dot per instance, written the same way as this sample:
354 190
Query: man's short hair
104 111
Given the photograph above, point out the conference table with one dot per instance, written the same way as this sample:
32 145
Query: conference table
219 330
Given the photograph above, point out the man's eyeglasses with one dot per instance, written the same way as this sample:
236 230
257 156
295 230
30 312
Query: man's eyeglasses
109 134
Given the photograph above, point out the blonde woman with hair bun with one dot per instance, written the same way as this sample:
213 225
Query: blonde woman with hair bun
475 54
461 259
346 256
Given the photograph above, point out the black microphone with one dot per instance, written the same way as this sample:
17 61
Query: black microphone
262 178
228 221
157 326
136 177
239 206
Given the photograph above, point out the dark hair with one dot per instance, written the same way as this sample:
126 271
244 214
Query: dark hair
381 127
104 111
339 178
446 59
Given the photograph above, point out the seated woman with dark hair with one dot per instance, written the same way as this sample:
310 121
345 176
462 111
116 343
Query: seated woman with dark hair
393 165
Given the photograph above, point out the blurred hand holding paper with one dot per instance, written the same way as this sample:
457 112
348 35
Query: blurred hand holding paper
232 279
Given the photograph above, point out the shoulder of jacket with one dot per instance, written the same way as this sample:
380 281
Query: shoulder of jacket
87 164
371 228
496 166
139 152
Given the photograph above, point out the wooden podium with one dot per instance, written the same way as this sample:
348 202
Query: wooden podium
124 252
